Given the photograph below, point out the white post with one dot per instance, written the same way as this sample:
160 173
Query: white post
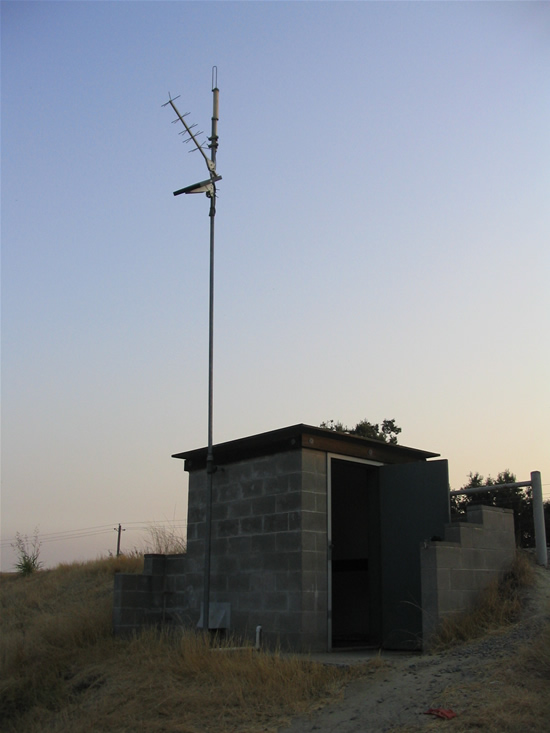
538 515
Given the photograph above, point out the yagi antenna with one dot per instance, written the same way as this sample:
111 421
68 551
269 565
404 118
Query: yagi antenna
210 162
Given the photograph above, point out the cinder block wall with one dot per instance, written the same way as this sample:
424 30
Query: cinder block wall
473 553
147 599
268 555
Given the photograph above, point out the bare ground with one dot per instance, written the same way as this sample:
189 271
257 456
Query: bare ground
470 680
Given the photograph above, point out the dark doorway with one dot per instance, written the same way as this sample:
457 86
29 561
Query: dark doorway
355 554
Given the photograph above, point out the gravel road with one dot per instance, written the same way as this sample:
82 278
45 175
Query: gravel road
406 686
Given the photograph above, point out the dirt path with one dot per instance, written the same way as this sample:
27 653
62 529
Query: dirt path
405 687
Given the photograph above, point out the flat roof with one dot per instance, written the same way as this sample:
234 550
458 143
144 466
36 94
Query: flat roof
300 436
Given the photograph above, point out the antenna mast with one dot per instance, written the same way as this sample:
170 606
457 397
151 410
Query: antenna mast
209 188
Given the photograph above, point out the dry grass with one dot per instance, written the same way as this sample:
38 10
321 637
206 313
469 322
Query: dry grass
61 669
499 605
511 694
164 540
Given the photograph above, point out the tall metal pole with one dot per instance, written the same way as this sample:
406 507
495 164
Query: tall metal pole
209 188
210 468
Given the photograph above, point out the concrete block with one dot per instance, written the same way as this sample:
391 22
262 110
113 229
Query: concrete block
226 564
282 562
226 528
199 533
450 602
454 533
251 489
239 583
266 581
448 555
288 502
262 544
276 485
443 579
239 545
294 481
288 541
239 509
275 523
286 463
314 461
219 510
313 562
250 603
462 579
314 521
321 503
313 581
473 558
428 557
275 601
497 560
195 514
250 525
483 578
154 564
315 483
475 514
289 581
218 582
315 623
289 623
322 543
176 564
218 548
295 520
309 501
309 541
263 505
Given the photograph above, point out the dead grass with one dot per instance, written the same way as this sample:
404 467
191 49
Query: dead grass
164 540
499 606
61 669
509 695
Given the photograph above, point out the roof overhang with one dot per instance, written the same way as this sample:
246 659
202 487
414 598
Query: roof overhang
301 436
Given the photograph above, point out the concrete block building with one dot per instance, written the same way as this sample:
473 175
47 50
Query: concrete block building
316 536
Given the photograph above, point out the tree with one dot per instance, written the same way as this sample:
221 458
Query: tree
387 433
28 552
519 499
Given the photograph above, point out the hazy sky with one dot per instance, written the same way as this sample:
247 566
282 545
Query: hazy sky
382 243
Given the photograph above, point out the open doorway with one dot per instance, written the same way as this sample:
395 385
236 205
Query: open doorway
354 558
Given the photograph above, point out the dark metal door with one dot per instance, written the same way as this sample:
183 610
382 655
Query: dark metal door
414 506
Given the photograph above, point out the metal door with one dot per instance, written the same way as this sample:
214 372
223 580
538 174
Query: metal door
414 507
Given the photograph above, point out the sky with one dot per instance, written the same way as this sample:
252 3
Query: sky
381 247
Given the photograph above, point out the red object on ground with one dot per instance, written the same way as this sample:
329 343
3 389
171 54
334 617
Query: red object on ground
441 713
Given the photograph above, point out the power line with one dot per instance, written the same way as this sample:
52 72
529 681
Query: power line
74 534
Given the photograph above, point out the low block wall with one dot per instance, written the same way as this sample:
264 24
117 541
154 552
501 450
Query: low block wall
147 599
473 554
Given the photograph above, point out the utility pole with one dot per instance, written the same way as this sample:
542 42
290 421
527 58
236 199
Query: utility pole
119 530
207 187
